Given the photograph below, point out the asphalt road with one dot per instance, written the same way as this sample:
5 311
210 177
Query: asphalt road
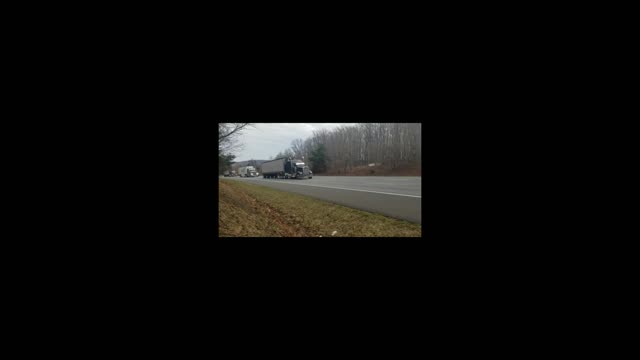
394 196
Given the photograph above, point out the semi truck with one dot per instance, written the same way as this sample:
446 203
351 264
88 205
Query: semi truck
247 171
285 168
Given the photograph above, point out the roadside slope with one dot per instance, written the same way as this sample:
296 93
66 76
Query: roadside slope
252 210
380 170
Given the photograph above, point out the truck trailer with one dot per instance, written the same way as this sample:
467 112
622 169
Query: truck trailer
247 171
285 168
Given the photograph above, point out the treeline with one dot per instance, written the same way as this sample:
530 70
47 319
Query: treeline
341 149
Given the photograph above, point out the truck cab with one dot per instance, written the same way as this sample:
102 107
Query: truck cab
302 170
247 171
296 169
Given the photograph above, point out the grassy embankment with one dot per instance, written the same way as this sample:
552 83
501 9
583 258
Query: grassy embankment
253 210
403 170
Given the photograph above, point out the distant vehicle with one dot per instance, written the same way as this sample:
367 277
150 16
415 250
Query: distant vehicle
286 168
247 171
233 173
226 173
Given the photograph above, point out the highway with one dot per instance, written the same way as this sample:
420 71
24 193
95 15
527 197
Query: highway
395 196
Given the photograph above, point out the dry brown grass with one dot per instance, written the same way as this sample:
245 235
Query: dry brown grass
404 170
252 210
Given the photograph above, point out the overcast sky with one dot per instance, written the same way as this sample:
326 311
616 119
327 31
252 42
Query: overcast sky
267 139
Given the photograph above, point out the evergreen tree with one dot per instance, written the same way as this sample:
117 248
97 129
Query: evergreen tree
224 162
319 158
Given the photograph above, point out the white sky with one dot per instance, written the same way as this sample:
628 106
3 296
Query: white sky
267 139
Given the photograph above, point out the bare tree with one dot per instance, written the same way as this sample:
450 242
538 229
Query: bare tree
227 136
289 153
392 144
226 130
297 146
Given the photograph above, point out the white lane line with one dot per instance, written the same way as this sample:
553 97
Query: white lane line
329 187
